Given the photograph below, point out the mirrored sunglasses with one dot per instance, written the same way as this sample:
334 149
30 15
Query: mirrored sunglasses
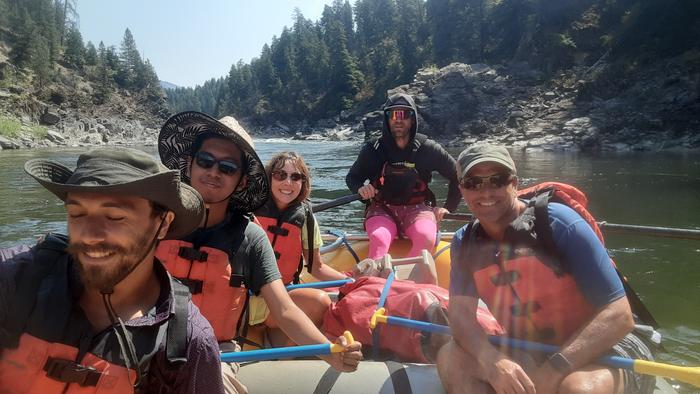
398 114
282 175
206 160
478 182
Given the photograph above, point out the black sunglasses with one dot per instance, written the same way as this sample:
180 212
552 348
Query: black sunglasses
478 182
282 175
207 160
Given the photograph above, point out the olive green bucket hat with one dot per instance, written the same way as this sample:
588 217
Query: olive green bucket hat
125 172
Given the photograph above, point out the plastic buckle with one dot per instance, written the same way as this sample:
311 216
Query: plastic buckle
68 371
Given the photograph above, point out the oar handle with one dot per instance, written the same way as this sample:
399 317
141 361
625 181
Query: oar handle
320 285
287 352
334 203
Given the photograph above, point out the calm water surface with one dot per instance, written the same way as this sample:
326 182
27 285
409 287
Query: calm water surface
661 189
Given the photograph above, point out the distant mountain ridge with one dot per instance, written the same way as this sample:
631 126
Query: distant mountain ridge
168 85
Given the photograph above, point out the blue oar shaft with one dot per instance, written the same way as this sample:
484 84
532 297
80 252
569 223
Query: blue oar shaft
320 285
274 353
611 361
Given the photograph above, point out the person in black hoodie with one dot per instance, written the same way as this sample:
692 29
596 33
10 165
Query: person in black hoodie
399 167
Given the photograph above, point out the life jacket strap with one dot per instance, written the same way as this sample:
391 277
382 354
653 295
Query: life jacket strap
194 285
192 254
525 309
277 230
236 280
69 371
505 278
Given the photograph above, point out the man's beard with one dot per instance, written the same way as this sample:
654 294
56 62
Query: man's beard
105 277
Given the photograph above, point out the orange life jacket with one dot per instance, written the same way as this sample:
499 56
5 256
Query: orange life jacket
529 292
546 192
205 267
46 348
399 182
284 232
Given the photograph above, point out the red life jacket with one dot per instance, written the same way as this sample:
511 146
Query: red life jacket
358 301
46 345
284 232
399 182
209 270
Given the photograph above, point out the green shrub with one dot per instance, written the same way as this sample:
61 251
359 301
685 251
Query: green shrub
9 127
12 128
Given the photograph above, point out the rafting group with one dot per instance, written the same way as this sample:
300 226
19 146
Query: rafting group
168 265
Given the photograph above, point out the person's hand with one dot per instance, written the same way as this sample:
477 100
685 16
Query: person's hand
506 376
347 360
440 213
367 192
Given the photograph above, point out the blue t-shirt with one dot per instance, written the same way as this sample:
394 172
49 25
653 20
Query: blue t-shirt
584 257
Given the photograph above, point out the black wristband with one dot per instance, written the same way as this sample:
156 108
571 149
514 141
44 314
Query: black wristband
560 363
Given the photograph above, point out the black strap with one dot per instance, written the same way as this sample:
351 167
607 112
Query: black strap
28 279
68 371
544 232
193 254
277 230
399 377
309 222
176 336
327 381
310 226
195 286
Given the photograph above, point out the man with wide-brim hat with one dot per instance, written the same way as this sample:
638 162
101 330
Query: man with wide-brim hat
100 292
229 254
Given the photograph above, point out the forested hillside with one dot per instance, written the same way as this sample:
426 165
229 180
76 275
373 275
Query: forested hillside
354 53
48 73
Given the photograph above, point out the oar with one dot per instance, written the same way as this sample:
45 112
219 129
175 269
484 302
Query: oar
689 375
670 232
334 203
320 285
286 352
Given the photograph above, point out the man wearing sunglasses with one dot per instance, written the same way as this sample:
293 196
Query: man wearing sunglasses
229 256
566 294
398 167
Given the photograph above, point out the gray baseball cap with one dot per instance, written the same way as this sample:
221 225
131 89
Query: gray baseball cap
484 153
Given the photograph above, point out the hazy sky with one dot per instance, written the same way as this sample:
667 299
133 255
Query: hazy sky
189 42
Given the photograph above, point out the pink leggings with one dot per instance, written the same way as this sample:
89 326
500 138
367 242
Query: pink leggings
382 230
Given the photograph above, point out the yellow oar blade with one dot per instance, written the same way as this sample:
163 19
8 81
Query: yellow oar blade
683 374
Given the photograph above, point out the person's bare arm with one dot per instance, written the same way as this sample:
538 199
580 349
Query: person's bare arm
322 271
297 326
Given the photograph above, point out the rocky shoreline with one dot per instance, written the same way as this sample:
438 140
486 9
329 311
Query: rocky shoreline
460 104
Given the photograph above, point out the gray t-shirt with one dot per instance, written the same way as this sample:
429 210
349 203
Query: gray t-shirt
254 255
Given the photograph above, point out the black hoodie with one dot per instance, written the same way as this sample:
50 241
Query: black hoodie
429 157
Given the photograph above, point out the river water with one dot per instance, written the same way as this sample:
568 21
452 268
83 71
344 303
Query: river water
659 189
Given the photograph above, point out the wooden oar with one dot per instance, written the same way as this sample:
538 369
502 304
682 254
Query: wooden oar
670 232
286 352
689 375
334 203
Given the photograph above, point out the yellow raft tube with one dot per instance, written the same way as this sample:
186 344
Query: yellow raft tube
345 250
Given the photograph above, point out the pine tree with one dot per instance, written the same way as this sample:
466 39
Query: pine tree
130 62
40 61
74 54
90 54
105 74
